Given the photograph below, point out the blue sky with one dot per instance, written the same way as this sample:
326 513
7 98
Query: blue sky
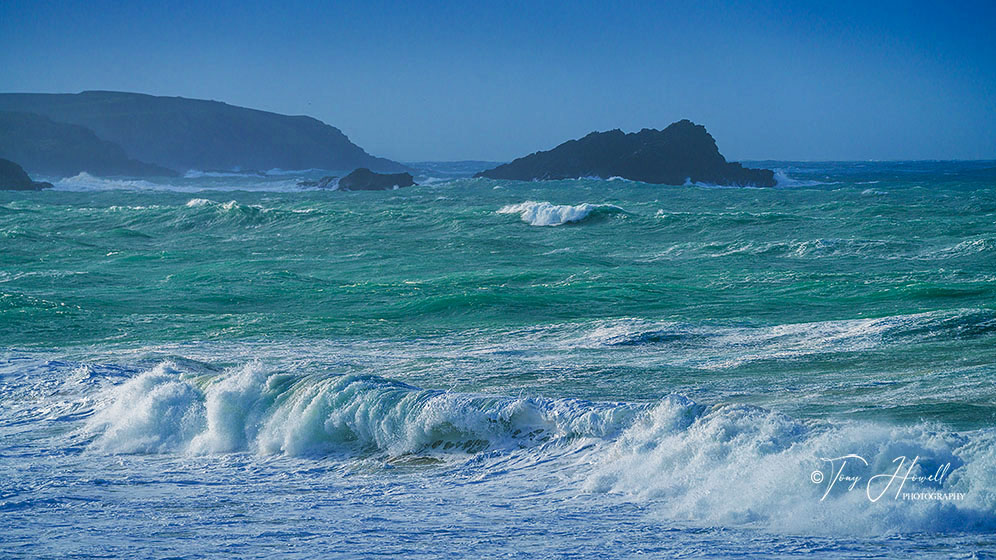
474 80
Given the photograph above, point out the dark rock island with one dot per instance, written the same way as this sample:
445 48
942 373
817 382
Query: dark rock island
13 178
683 151
365 180
174 134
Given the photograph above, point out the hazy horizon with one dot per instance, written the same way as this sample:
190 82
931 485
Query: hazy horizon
427 82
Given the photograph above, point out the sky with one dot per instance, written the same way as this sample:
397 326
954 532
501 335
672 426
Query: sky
419 81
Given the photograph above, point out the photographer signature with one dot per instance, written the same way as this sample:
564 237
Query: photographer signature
841 472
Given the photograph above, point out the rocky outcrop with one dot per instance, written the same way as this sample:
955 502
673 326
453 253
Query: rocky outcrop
365 180
13 178
184 134
681 152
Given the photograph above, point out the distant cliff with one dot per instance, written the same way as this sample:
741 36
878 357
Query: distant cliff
682 151
182 134
50 148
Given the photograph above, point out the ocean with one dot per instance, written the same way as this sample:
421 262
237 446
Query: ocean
229 365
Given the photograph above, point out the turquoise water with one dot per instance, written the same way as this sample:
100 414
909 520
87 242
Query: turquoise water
231 365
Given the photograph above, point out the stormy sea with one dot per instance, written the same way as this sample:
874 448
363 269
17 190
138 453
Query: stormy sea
235 365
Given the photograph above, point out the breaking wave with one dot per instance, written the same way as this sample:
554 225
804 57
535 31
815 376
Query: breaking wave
192 181
747 466
723 464
248 409
547 214
783 180
86 182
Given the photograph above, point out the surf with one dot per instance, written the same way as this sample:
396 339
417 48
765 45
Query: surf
547 214
685 460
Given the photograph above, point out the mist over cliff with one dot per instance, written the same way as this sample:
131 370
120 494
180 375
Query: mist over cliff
180 134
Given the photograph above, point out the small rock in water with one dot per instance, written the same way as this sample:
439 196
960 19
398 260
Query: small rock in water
14 178
363 179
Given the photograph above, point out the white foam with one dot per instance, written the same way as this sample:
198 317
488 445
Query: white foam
547 214
741 465
223 206
730 465
701 184
279 171
873 192
197 174
156 412
783 180
434 180
249 409
86 182
729 346
193 181
962 249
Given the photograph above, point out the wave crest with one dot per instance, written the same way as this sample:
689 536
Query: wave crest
547 214
84 181
248 409
725 464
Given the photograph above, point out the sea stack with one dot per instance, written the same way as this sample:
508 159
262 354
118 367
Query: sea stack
682 152
13 178
363 179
